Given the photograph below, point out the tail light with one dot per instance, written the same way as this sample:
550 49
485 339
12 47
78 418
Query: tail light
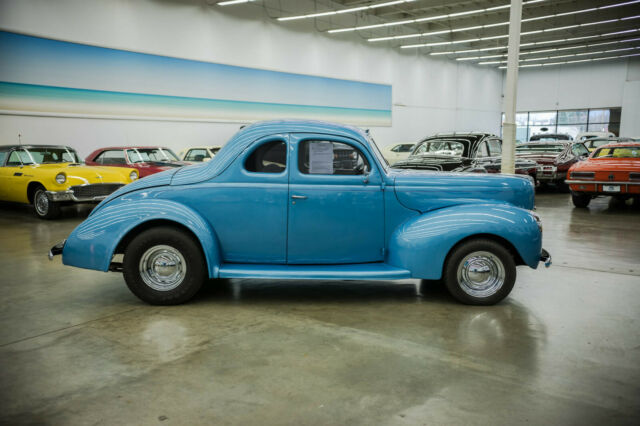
582 175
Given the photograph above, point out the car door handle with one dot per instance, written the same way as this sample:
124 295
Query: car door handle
299 197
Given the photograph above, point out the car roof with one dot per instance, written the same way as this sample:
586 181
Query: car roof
34 146
130 147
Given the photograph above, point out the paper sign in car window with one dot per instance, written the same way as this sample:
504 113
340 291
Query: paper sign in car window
321 158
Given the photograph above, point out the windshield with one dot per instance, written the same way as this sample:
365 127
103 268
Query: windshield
47 155
144 155
545 147
618 152
446 147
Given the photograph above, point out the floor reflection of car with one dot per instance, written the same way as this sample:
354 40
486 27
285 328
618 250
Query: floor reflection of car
612 169
396 152
554 159
550 137
199 154
464 152
594 143
147 160
49 176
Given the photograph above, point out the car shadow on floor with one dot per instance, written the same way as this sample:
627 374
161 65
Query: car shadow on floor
323 291
25 211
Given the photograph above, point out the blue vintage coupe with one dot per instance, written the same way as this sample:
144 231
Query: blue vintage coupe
310 200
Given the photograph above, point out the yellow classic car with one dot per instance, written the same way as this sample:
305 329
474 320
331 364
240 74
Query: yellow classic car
49 176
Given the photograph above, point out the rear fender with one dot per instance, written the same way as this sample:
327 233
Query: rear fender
93 243
422 243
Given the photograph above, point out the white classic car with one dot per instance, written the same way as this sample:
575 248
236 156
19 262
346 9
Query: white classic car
397 152
199 153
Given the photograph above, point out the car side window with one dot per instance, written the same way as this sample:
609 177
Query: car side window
197 155
579 149
113 157
3 156
483 150
17 158
270 157
495 147
406 148
317 157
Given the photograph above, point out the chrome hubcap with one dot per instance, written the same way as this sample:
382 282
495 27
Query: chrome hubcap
481 274
42 203
162 268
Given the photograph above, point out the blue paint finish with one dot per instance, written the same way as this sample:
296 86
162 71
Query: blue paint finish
422 243
346 228
92 244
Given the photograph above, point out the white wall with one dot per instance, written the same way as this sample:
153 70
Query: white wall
429 95
590 85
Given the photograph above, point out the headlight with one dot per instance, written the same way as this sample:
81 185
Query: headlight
61 178
133 175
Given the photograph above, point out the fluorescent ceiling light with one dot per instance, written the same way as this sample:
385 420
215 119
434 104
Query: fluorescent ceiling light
230 2
427 19
338 12
505 23
553 49
547 30
537 43
574 61
546 58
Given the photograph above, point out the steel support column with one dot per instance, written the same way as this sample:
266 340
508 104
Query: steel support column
511 89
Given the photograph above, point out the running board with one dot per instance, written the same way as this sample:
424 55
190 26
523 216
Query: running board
360 271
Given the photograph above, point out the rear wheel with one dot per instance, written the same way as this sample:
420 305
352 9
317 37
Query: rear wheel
480 272
43 207
164 266
580 199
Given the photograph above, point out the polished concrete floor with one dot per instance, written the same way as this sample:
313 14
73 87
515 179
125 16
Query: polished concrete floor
76 347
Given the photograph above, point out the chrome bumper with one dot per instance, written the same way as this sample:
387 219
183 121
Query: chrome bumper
69 196
545 257
57 249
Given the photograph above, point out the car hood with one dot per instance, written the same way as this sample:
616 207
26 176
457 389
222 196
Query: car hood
540 157
79 174
428 190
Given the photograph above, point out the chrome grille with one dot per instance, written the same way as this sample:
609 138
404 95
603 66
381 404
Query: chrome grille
94 190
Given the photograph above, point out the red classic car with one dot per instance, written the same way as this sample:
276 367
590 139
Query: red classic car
146 159
554 159
612 169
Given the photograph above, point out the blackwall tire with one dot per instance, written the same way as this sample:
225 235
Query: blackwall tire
164 266
580 199
480 272
43 207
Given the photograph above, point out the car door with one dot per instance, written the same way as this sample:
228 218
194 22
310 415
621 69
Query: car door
336 213
15 175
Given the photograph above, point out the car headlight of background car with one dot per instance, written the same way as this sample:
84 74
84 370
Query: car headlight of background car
61 178
133 175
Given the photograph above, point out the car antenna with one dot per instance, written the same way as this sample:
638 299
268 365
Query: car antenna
19 139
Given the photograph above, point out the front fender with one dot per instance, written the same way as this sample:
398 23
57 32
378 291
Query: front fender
422 243
92 244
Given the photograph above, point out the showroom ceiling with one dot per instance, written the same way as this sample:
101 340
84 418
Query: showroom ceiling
553 31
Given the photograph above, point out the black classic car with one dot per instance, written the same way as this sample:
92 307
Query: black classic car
554 159
462 152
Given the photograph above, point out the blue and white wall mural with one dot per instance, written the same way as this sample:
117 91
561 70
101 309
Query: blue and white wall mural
50 77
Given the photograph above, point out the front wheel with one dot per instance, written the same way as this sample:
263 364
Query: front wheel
43 206
580 199
164 266
480 272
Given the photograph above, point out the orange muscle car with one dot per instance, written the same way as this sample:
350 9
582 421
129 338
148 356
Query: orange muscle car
612 169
